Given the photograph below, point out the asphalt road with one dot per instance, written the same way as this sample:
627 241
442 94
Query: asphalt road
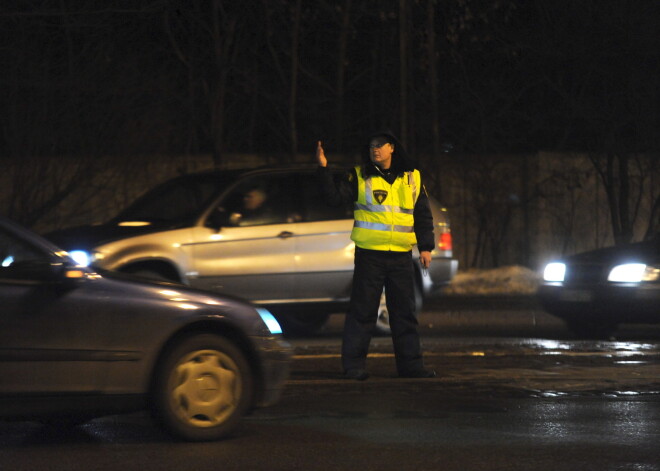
541 401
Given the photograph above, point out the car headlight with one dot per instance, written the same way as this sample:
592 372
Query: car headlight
633 273
554 272
81 257
270 321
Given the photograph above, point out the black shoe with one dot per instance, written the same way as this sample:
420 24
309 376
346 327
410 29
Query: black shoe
418 374
356 374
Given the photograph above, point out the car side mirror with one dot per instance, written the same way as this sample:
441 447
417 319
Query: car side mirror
34 270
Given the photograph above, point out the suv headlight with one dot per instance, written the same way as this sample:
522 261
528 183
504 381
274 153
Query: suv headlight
633 273
554 272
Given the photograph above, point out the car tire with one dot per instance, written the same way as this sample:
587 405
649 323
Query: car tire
203 386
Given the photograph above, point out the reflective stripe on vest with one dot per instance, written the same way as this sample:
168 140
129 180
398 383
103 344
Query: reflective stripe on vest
390 225
377 226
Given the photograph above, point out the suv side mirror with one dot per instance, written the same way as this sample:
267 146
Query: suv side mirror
218 219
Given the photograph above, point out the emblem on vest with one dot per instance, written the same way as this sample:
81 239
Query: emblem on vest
380 195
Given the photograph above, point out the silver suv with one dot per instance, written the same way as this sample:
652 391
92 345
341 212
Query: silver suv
263 234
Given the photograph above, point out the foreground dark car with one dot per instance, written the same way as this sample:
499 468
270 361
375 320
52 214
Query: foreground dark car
75 345
595 291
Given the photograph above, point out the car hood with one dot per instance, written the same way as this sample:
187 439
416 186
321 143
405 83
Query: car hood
647 252
88 237
183 301
153 288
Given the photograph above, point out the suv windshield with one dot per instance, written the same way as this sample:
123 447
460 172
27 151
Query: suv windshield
178 200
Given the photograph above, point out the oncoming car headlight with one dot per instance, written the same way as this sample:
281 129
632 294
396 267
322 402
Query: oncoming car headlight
554 272
81 257
633 273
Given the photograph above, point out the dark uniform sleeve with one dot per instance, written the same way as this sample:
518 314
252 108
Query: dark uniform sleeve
424 223
337 189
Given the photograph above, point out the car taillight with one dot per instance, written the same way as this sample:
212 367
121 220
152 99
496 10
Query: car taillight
444 241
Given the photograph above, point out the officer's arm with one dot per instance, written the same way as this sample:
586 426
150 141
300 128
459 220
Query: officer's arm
337 189
424 223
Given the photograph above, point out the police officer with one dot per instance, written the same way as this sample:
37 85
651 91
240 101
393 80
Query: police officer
391 214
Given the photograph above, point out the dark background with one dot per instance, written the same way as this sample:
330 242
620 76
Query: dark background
89 90
220 76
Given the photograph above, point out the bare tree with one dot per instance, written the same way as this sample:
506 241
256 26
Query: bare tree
491 200
206 38
293 89
433 79
51 89
603 84
403 70
625 180
342 52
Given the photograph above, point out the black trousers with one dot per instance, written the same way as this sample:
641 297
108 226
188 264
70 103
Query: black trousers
375 270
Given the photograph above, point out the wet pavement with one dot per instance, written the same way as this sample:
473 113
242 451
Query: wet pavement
424 428
533 367
506 344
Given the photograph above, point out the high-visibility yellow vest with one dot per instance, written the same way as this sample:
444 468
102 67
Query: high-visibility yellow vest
383 213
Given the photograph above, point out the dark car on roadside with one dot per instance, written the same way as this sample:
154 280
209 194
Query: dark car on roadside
75 345
263 234
594 292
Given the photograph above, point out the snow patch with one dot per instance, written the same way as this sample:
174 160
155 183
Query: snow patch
510 280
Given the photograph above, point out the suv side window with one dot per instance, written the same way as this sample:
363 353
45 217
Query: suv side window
178 201
315 207
260 200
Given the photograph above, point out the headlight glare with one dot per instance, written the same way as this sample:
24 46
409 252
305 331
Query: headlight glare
81 257
554 272
270 321
633 273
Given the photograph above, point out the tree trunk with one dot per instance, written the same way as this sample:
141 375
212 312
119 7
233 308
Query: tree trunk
293 92
615 177
433 80
341 76
403 70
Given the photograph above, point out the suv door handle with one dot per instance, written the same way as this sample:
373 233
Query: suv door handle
285 234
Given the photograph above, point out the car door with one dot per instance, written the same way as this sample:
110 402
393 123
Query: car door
324 250
49 334
250 252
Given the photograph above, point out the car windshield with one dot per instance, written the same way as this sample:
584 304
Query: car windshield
179 200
